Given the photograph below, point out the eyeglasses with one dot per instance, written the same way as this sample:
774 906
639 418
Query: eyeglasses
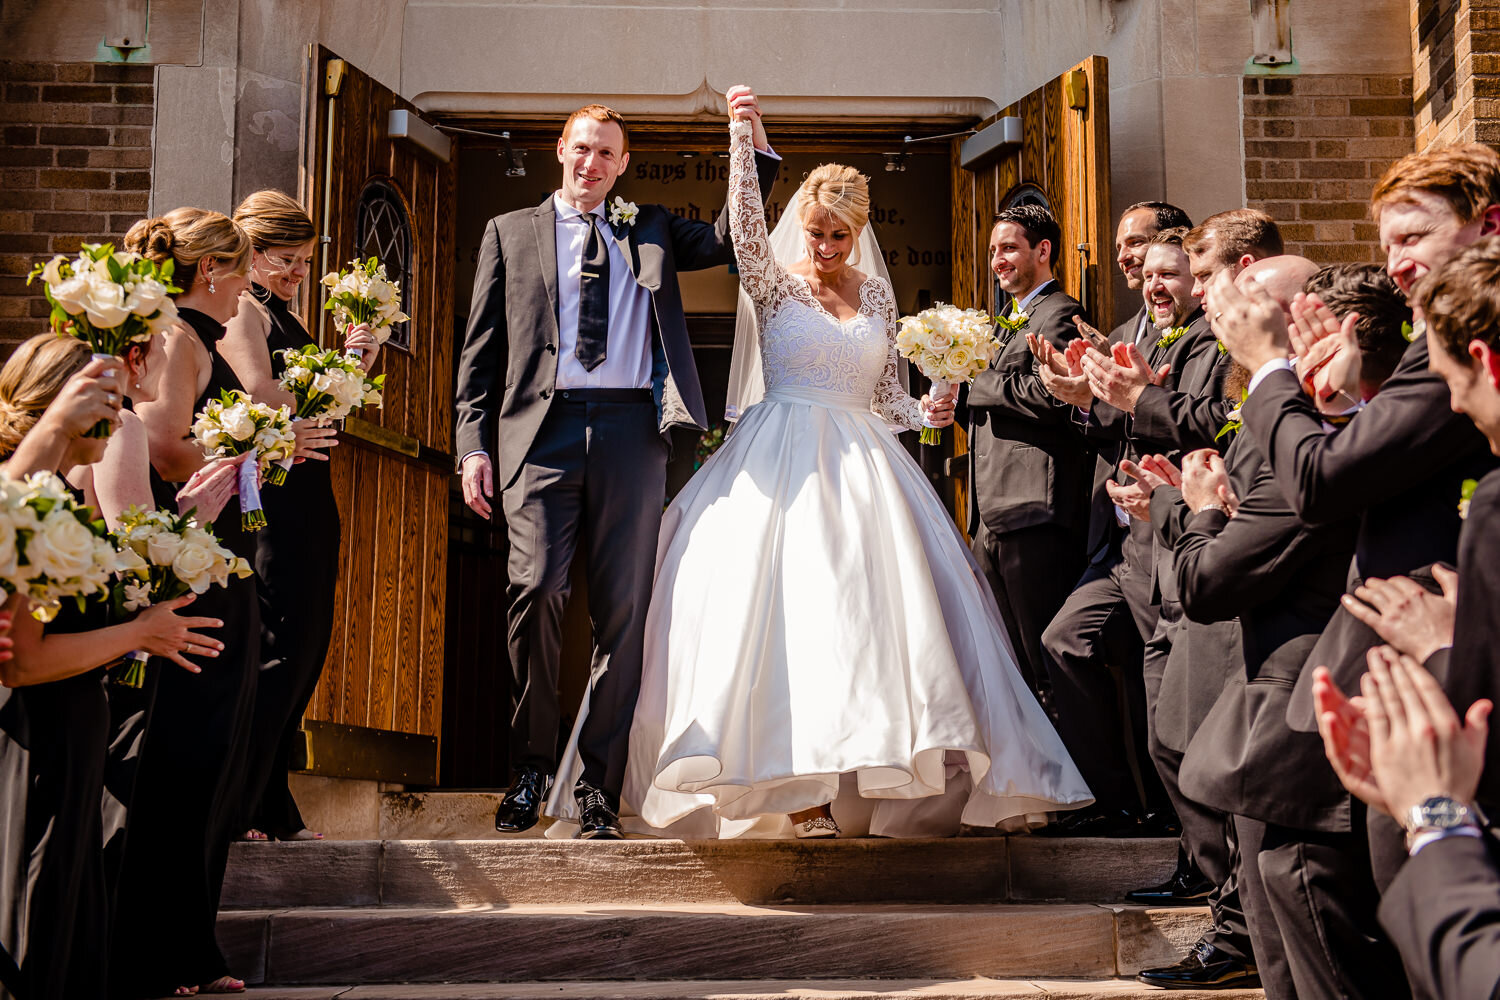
278 262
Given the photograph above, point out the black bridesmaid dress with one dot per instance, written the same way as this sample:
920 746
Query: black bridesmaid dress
297 563
191 774
53 741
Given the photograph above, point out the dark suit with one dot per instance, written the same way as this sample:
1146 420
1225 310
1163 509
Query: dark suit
1443 913
1030 472
571 462
1107 619
1315 894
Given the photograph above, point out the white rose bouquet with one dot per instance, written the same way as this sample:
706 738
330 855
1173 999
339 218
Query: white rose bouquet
948 345
108 300
172 555
363 294
233 424
51 547
328 385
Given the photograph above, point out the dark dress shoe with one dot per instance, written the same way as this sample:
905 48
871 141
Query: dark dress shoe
1205 968
1161 823
597 817
1186 887
522 805
1093 822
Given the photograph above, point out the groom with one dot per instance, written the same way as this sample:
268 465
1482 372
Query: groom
577 341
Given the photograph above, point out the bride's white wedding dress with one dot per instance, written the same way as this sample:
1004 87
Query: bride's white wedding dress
816 613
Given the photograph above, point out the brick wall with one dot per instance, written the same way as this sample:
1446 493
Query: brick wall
1456 71
1314 147
75 166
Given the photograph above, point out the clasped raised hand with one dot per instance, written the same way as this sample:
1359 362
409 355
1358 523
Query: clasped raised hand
744 106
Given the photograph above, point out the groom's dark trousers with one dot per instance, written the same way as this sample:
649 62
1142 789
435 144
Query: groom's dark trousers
580 466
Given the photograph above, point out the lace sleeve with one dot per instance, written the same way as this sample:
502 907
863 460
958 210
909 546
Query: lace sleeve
892 401
760 274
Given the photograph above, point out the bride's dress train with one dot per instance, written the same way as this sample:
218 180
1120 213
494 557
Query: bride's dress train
817 619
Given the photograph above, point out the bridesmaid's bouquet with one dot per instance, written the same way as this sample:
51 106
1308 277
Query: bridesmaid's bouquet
108 300
171 556
328 385
234 424
51 546
948 345
363 294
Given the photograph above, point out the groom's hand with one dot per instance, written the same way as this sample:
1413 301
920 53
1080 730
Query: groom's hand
479 483
743 106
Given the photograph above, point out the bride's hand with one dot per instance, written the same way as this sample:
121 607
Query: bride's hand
744 107
939 412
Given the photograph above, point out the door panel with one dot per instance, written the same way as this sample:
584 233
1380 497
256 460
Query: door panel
1065 152
382 683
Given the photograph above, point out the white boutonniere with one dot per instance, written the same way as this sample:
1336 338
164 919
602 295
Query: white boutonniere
1013 323
622 211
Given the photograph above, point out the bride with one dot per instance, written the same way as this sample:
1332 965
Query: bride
817 619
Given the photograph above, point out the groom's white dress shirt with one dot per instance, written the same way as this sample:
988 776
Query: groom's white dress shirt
627 359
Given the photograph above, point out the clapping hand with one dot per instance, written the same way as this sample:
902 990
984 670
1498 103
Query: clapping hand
1061 372
939 412
1327 352
1205 482
1405 614
744 107
1119 378
1135 498
1248 321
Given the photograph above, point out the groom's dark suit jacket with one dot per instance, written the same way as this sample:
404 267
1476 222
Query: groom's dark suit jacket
513 321
1030 463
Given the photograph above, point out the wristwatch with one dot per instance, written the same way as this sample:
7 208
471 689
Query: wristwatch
1438 814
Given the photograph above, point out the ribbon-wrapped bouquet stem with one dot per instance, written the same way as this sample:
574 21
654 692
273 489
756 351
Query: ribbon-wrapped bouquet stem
108 300
948 345
234 424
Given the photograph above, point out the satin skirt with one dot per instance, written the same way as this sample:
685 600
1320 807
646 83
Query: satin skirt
817 621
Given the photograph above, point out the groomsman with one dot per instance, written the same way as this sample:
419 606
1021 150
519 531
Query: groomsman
577 343
1030 470
1402 458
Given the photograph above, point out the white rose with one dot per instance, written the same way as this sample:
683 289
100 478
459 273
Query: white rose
61 549
70 294
162 548
939 340
104 304
930 364
192 566
146 297
237 422
295 374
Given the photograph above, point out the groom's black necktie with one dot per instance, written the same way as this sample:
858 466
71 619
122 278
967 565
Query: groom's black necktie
593 298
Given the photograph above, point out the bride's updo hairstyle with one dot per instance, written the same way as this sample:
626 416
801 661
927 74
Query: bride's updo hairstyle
841 191
273 219
188 235
31 380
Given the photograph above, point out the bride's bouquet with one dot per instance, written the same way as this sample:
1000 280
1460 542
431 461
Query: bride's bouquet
171 556
51 547
108 300
363 294
948 345
233 424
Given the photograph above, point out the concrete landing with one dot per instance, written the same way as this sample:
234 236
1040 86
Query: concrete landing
695 941
962 989
449 873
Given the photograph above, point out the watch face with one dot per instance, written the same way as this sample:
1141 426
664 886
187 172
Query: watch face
1443 813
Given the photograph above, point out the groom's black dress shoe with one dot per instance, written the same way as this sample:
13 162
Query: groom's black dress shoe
1186 887
522 805
1205 968
597 818
1092 821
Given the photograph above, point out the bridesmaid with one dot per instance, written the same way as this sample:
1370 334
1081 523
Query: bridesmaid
192 764
297 553
54 724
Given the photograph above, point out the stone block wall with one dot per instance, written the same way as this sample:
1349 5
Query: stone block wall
1314 147
75 166
1456 71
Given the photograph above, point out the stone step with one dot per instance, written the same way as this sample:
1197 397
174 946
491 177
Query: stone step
766 989
522 943
443 873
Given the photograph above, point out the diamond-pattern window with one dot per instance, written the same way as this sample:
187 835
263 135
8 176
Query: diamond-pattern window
383 231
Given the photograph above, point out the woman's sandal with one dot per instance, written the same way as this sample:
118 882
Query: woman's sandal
185 991
303 834
253 836
224 984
